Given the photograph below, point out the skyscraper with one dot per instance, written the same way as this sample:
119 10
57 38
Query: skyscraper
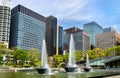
27 28
81 39
93 28
60 40
66 37
107 40
108 29
53 36
4 21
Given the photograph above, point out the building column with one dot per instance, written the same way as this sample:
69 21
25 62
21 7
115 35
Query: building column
57 38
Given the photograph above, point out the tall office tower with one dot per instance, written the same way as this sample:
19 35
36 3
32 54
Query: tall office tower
4 21
108 29
93 28
107 40
82 40
66 37
52 35
60 40
27 28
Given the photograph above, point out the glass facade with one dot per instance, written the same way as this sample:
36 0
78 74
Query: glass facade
26 31
93 28
4 21
60 39
66 37
51 35
66 40
108 29
54 36
81 39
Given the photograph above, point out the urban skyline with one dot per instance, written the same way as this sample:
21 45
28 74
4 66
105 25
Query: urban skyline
31 36
75 14
54 24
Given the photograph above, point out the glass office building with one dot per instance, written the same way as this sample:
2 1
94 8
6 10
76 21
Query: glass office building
54 34
66 37
81 39
27 28
4 21
51 35
108 29
93 28
60 40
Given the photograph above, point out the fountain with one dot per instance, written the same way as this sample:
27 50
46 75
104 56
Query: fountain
71 66
45 69
4 60
87 68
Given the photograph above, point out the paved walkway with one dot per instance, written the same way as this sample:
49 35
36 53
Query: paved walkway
117 76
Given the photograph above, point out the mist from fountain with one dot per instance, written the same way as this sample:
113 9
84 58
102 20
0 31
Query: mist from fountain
71 61
44 61
87 66
4 60
71 66
87 61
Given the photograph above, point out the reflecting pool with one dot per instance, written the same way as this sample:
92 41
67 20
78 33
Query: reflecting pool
56 75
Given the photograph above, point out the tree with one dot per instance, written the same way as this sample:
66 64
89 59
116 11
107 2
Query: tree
108 52
3 48
78 55
118 51
34 57
96 53
65 57
91 54
57 60
4 51
21 56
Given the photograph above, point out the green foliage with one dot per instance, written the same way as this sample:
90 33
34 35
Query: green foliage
21 56
57 60
3 48
78 55
61 60
96 53
6 51
65 57
34 57
115 50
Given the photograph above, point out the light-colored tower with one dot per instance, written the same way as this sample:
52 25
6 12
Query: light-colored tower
5 3
4 21
57 38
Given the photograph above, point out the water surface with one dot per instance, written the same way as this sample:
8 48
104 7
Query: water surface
57 75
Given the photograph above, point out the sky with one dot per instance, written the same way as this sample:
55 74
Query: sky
72 13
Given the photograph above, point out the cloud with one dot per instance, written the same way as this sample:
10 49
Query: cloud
100 11
75 10
69 8
62 9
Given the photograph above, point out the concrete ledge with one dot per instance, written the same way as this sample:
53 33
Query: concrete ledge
105 76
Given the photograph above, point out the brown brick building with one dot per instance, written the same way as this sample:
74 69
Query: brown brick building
108 39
